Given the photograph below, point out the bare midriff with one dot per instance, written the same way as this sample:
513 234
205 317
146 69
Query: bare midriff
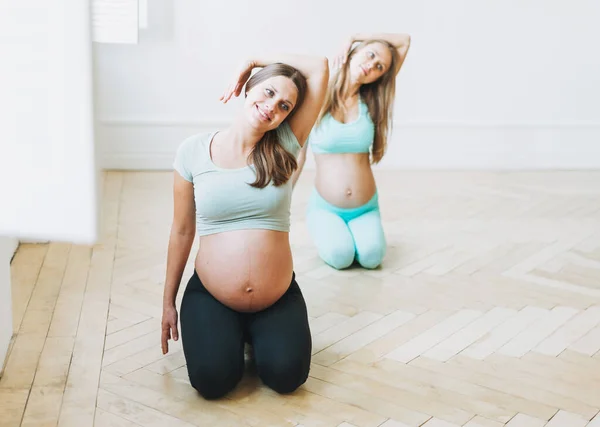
345 180
246 270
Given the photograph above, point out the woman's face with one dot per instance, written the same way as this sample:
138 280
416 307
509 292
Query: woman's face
369 63
270 102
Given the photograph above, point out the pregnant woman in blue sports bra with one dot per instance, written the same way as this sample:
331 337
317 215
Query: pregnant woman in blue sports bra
350 134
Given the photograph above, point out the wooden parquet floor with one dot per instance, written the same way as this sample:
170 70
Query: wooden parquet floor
485 313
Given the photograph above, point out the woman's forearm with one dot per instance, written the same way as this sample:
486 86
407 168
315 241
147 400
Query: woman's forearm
395 39
308 65
177 256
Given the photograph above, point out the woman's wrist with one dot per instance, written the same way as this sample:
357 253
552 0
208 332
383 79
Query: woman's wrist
168 302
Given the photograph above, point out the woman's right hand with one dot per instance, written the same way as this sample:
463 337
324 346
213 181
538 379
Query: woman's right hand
169 327
340 59
235 89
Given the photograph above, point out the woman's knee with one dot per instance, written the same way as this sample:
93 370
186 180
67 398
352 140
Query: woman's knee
369 239
371 255
338 254
336 249
284 375
214 381
332 238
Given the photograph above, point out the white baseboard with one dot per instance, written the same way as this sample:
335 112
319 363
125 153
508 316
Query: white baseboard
8 246
136 144
12 245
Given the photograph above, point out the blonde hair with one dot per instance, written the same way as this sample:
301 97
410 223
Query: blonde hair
378 96
271 161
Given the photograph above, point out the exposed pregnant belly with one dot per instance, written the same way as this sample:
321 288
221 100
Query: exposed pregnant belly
247 270
345 180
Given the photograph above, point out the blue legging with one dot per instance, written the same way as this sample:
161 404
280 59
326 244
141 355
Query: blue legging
343 235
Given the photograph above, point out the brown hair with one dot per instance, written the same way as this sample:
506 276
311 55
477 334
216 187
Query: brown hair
378 95
271 161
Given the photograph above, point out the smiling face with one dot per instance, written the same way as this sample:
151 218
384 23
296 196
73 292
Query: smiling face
369 63
270 102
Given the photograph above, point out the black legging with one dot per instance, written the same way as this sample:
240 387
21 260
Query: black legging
213 337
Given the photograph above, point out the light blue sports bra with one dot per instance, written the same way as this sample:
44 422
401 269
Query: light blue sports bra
331 136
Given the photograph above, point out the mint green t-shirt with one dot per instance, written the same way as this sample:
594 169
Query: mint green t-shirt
224 199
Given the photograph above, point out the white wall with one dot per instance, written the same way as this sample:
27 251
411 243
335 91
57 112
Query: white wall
494 84
7 249
48 173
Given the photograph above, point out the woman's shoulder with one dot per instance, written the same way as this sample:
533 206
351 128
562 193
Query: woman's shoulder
192 153
194 141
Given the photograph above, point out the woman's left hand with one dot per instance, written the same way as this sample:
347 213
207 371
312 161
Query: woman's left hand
242 77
